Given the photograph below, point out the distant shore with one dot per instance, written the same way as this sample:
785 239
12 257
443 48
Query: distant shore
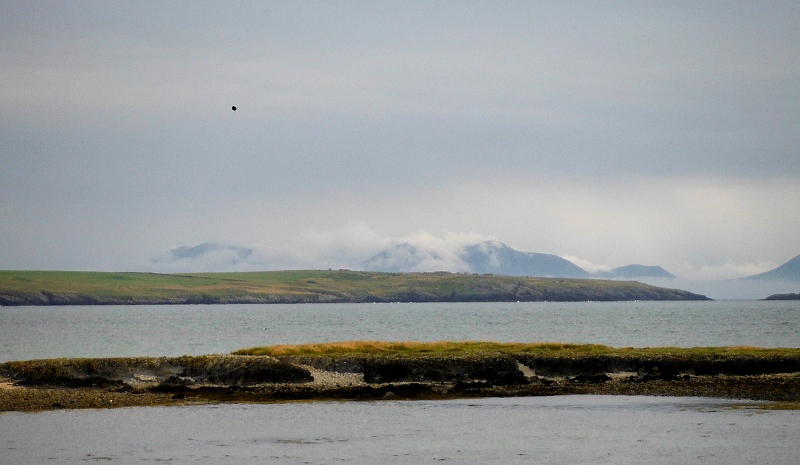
789 296
376 371
326 286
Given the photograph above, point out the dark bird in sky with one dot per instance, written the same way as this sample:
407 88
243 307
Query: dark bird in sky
233 108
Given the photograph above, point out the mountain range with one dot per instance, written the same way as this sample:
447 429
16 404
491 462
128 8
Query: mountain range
487 257
497 258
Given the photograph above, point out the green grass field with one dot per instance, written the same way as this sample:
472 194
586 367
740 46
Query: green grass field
76 287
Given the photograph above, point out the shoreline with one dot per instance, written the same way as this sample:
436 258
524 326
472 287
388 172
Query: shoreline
779 390
56 288
54 384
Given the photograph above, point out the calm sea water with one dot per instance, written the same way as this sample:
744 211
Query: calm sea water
568 429
546 430
104 331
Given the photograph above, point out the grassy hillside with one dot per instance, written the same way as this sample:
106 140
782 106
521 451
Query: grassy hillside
99 288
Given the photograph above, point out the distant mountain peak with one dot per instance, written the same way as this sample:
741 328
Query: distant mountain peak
490 256
789 271
498 258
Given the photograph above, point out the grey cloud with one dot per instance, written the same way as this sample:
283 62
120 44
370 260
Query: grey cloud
206 248
406 257
523 121
209 256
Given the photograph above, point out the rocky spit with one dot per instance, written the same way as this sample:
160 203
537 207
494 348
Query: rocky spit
122 382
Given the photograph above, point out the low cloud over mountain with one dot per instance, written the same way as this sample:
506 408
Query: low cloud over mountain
498 258
208 256
489 256
416 253
356 246
789 271
492 256
406 257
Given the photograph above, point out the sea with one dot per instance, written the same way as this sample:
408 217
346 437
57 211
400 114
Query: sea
171 330
552 430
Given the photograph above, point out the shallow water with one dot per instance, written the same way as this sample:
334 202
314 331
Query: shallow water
569 429
552 430
105 331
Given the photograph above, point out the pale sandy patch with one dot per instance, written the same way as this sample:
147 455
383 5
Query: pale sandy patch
333 379
6 383
526 370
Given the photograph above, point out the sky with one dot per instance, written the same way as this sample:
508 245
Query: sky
608 133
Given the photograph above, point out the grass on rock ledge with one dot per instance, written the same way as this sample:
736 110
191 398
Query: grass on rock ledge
367 347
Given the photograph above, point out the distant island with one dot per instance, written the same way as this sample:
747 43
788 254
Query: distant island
789 296
313 286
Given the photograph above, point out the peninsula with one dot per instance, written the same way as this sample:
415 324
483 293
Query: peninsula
332 286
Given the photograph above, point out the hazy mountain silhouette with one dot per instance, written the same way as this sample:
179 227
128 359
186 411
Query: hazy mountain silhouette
498 258
789 271
205 250
634 272
400 258
484 257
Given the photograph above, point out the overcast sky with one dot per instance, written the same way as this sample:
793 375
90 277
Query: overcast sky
610 133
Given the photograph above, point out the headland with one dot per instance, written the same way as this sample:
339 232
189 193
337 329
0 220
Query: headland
322 286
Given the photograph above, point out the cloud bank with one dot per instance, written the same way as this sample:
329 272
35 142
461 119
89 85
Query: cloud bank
660 133
347 247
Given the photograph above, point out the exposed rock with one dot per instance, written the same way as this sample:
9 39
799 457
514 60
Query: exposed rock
501 369
598 378
662 366
113 382
232 370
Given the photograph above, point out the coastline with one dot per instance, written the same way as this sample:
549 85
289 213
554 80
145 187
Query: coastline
125 382
779 390
58 288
